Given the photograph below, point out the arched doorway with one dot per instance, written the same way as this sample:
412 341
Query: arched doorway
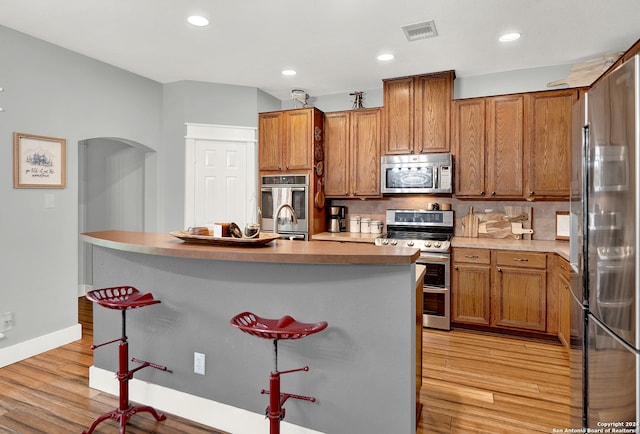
112 192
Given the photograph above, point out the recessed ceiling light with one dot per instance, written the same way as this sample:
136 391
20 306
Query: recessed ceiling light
509 37
289 72
385 57
198 21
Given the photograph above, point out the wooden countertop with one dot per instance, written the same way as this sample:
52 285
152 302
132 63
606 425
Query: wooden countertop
283 251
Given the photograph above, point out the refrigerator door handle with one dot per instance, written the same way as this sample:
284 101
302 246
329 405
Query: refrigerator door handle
612 334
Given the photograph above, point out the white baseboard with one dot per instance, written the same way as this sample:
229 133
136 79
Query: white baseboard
39 345
205 411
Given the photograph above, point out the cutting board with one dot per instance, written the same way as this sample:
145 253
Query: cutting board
496 228
470 224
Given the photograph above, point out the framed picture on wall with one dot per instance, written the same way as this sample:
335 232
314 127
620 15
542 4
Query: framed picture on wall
39 161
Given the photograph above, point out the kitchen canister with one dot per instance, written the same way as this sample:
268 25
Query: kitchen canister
354 224
365 225
376 226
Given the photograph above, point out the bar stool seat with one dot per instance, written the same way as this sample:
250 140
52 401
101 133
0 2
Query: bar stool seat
124 298
276 329
284 328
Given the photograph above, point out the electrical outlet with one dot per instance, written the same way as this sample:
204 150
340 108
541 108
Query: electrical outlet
6 321
198 363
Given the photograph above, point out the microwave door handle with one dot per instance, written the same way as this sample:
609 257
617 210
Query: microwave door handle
435 177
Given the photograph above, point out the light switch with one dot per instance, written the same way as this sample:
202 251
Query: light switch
49 200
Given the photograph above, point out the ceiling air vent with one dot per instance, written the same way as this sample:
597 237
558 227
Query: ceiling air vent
423 30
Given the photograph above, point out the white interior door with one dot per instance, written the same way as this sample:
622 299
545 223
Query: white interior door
221 175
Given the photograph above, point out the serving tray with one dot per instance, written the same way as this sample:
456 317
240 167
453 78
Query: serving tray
260 240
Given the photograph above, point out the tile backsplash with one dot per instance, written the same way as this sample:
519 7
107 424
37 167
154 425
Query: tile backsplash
544 213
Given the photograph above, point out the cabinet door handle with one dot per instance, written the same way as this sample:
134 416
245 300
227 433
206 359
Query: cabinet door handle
531 193
499 270
471 256
566 287
455 267
482 193
562 267
521 259
493 193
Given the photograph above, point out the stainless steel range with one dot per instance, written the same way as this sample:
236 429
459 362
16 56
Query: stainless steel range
431 232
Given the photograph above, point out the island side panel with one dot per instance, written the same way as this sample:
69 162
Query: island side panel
362 367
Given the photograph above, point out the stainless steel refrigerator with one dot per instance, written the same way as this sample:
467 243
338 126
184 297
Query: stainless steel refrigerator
605 224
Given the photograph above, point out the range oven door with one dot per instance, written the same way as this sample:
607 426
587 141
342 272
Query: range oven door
436 288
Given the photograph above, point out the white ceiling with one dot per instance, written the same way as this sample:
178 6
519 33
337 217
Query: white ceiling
332 44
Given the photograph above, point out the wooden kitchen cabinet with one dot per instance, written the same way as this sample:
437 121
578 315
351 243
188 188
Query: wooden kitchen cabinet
500 290
505 146
471 286
469 143
352 153
287 139
549 122
488 138
417 113
519 297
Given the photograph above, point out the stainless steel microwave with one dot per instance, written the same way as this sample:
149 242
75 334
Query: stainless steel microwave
422 173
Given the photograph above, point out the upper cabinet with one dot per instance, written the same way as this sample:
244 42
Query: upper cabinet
549 142
352 153
488 138
287 139
469 146
417 116
513 146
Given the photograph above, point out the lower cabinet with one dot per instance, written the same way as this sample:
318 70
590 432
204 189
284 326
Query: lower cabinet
500 289
519 298
471 286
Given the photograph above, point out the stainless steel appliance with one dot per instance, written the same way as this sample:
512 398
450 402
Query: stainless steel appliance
284 204
337 219
431 232
421 173
605 224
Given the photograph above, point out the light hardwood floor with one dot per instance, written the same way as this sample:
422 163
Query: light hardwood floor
472 383
476 383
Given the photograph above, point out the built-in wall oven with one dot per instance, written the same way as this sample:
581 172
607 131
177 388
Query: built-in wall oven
431 232
284 201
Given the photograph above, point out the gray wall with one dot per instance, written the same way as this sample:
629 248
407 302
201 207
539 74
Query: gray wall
196 102
364 360
54 92
51 91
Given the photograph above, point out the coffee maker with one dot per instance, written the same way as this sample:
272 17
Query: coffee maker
337 219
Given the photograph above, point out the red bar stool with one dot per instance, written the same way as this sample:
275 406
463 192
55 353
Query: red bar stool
276 329
124 298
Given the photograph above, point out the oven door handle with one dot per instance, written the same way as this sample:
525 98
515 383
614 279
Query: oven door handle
434 290
432 257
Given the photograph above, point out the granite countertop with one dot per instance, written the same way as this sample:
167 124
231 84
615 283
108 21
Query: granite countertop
547 246
283 251
348 237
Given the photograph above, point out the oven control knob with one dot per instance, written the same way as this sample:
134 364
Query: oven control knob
436 244
427 244
410 243
394 242
385 242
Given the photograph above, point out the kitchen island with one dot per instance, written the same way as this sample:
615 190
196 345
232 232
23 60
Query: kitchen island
362 367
